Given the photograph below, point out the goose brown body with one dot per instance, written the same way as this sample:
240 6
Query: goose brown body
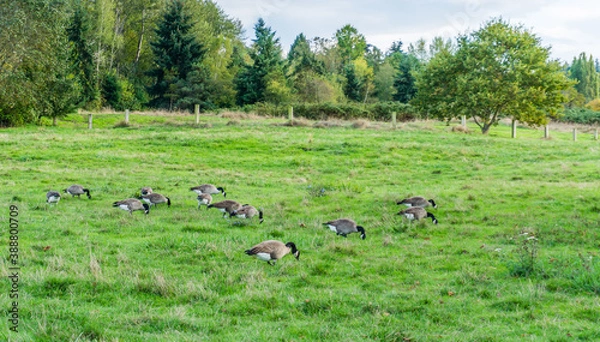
273 250
345 226
417 201
131 205
155 198
247 211
226 207
208 189
204 199
77 190
52 197
417 213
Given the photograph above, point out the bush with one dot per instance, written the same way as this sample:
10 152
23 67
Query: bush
380 111
581 116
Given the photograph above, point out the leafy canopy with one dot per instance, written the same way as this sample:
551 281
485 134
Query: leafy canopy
495 72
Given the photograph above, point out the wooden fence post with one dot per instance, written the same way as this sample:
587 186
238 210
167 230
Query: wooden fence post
514 129
291 115
546 132
197 112
463 121
596 134
127 116
574 134
394 120
90 121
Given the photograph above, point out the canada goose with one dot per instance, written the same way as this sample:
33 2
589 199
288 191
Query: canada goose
52 197
344 227
131 205
77 190
417 213
208 189
417 201
156 198
204 199
247 211
146 190
272 250
226 206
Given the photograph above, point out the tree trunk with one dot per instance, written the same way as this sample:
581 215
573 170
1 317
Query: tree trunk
54 121
141 39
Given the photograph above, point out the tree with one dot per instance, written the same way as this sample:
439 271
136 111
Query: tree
404 82
583 69
267 66
497 71
351 44
177 53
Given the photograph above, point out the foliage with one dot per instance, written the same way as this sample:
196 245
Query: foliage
35 77
584 71
581 116
593 105
177 56
351 44
379 111
404 82
526 255
497 71
267 65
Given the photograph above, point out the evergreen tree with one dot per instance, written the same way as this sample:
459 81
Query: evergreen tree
253 80
177 53
583 69
404 82
352 87
82 57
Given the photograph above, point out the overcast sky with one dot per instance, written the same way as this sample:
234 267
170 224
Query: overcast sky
569 27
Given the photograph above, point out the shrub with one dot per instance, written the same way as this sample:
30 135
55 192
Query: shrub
581 116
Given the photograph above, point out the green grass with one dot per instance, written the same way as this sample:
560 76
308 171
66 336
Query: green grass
91 272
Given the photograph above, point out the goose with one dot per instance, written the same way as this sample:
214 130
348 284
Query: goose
52 197
156 198
208 189
146 190
247 211
77 190
204 199
417 213
417 201
131 205
226 206
345 226
272 250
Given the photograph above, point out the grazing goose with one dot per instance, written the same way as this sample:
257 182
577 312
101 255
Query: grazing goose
417 213
208 189
417 201
52 197
272 250
131 205
77 190
226 207
247 211
344 227
204 199
146 190
156 198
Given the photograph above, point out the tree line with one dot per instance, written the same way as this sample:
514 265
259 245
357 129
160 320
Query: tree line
57 56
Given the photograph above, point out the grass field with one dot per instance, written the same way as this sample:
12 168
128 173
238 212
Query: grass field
515 256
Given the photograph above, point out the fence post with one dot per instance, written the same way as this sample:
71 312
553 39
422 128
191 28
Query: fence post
574 134
463 121
394 120
546 132
90 121
596 134
127 116
291 115
514 129
197 112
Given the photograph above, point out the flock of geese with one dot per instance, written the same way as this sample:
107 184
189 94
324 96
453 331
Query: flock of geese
270 250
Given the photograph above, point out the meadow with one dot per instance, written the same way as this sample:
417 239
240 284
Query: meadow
515 256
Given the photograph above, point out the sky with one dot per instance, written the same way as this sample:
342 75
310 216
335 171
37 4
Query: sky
568 27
